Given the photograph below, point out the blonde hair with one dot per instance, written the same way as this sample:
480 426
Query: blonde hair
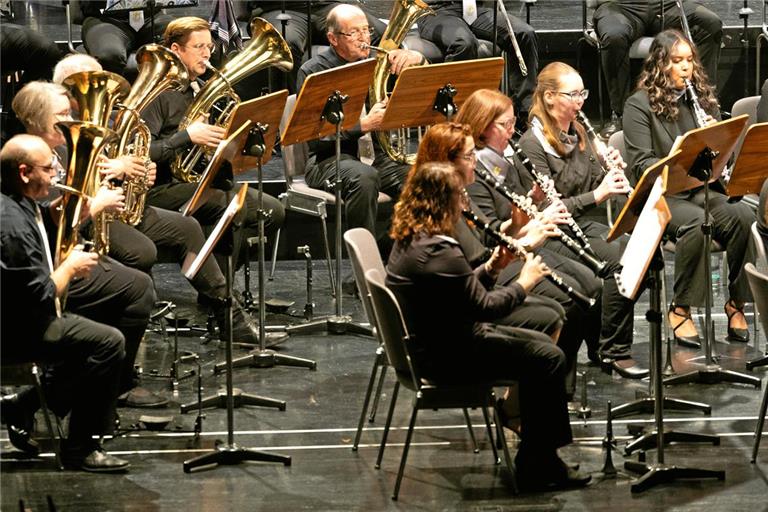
178 30
74 63
33 105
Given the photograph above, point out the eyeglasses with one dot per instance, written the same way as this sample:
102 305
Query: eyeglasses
470 157
507 124
48 168
200 47
357 33
576 95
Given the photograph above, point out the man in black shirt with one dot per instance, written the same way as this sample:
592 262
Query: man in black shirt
84 356
347 30
190 39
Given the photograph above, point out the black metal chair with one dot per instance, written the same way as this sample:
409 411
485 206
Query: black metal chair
758 283
427 394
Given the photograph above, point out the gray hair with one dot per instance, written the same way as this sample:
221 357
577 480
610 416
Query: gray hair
33 105
74 63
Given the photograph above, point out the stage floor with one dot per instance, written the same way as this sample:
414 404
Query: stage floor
318 426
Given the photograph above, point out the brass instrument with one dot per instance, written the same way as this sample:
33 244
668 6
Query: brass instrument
515 45
599 148
516 248
525 204
266 48
159 70
96 94
85 142
404 15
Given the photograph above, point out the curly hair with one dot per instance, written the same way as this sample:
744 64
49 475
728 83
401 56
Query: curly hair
549 79
429 204
443 142
480 109
655 77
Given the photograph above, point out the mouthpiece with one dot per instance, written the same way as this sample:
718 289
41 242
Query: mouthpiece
366 46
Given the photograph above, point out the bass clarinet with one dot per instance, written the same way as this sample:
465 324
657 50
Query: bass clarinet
525 204
515 248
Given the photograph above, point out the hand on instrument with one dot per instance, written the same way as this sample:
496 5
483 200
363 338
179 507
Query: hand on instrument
532 272
536 194
121 168
401 59
109 200
613 159
151 174
80 263
372 120
614 183
556 213
204 134
536 232
500 258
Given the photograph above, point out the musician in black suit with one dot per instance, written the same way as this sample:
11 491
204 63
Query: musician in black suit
619 22
448 308
653 117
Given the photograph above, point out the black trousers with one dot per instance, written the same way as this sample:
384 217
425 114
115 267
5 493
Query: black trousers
168 237
730 228
360 184
762 212
121 297
507 353
297 34
110 41
82 366
458 41
617 312
172 196
619 23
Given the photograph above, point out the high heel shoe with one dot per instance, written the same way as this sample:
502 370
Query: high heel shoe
687 341
735 333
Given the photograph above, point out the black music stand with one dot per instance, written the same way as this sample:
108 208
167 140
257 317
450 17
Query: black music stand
646 254
219 174
633 271
704 154
228 453
319 112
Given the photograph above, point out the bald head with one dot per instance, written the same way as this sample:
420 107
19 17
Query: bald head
74 63
340 14
348 31
19 158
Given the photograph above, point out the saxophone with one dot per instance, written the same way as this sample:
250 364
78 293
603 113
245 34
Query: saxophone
404 15
159 70
266 48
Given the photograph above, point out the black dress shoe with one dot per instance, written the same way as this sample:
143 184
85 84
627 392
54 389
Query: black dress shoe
244 328
550 477
627 368
97 461
734 333
141 398
20 423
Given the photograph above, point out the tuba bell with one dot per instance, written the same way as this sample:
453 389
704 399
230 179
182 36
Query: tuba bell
266 48
159 70
85 142
404 15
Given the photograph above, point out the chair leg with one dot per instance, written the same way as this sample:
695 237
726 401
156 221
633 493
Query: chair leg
471 432
505 449
274 255
379 388
385 434
367 400
405 452
47 417
328 258
496 459
760 422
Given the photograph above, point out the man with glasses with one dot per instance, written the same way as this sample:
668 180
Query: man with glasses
348 32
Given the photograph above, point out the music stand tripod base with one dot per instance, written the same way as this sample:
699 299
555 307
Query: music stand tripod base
333 325
661 473
649 439
232 454
239 399
266 359
646 405
714 374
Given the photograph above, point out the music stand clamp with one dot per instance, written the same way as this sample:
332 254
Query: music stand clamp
444 101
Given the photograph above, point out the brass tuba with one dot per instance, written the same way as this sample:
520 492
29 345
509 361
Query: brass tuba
96 94
85 142
404 15
266 48
159 70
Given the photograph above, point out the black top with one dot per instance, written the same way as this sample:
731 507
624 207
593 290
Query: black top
259 7
28 292
325 148
762 105
576 175
163 117
445 302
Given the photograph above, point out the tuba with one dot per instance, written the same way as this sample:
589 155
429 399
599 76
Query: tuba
159 70
85 142
404 15
266 48
96 94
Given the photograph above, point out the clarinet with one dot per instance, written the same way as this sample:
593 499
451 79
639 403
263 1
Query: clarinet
547 185
579 298
525 204
700 117
598 147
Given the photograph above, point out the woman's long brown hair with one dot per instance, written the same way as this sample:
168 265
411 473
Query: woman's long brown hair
480 109
443 142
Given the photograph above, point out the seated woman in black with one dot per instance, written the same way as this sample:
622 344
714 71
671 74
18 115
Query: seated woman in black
448 307
654 116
